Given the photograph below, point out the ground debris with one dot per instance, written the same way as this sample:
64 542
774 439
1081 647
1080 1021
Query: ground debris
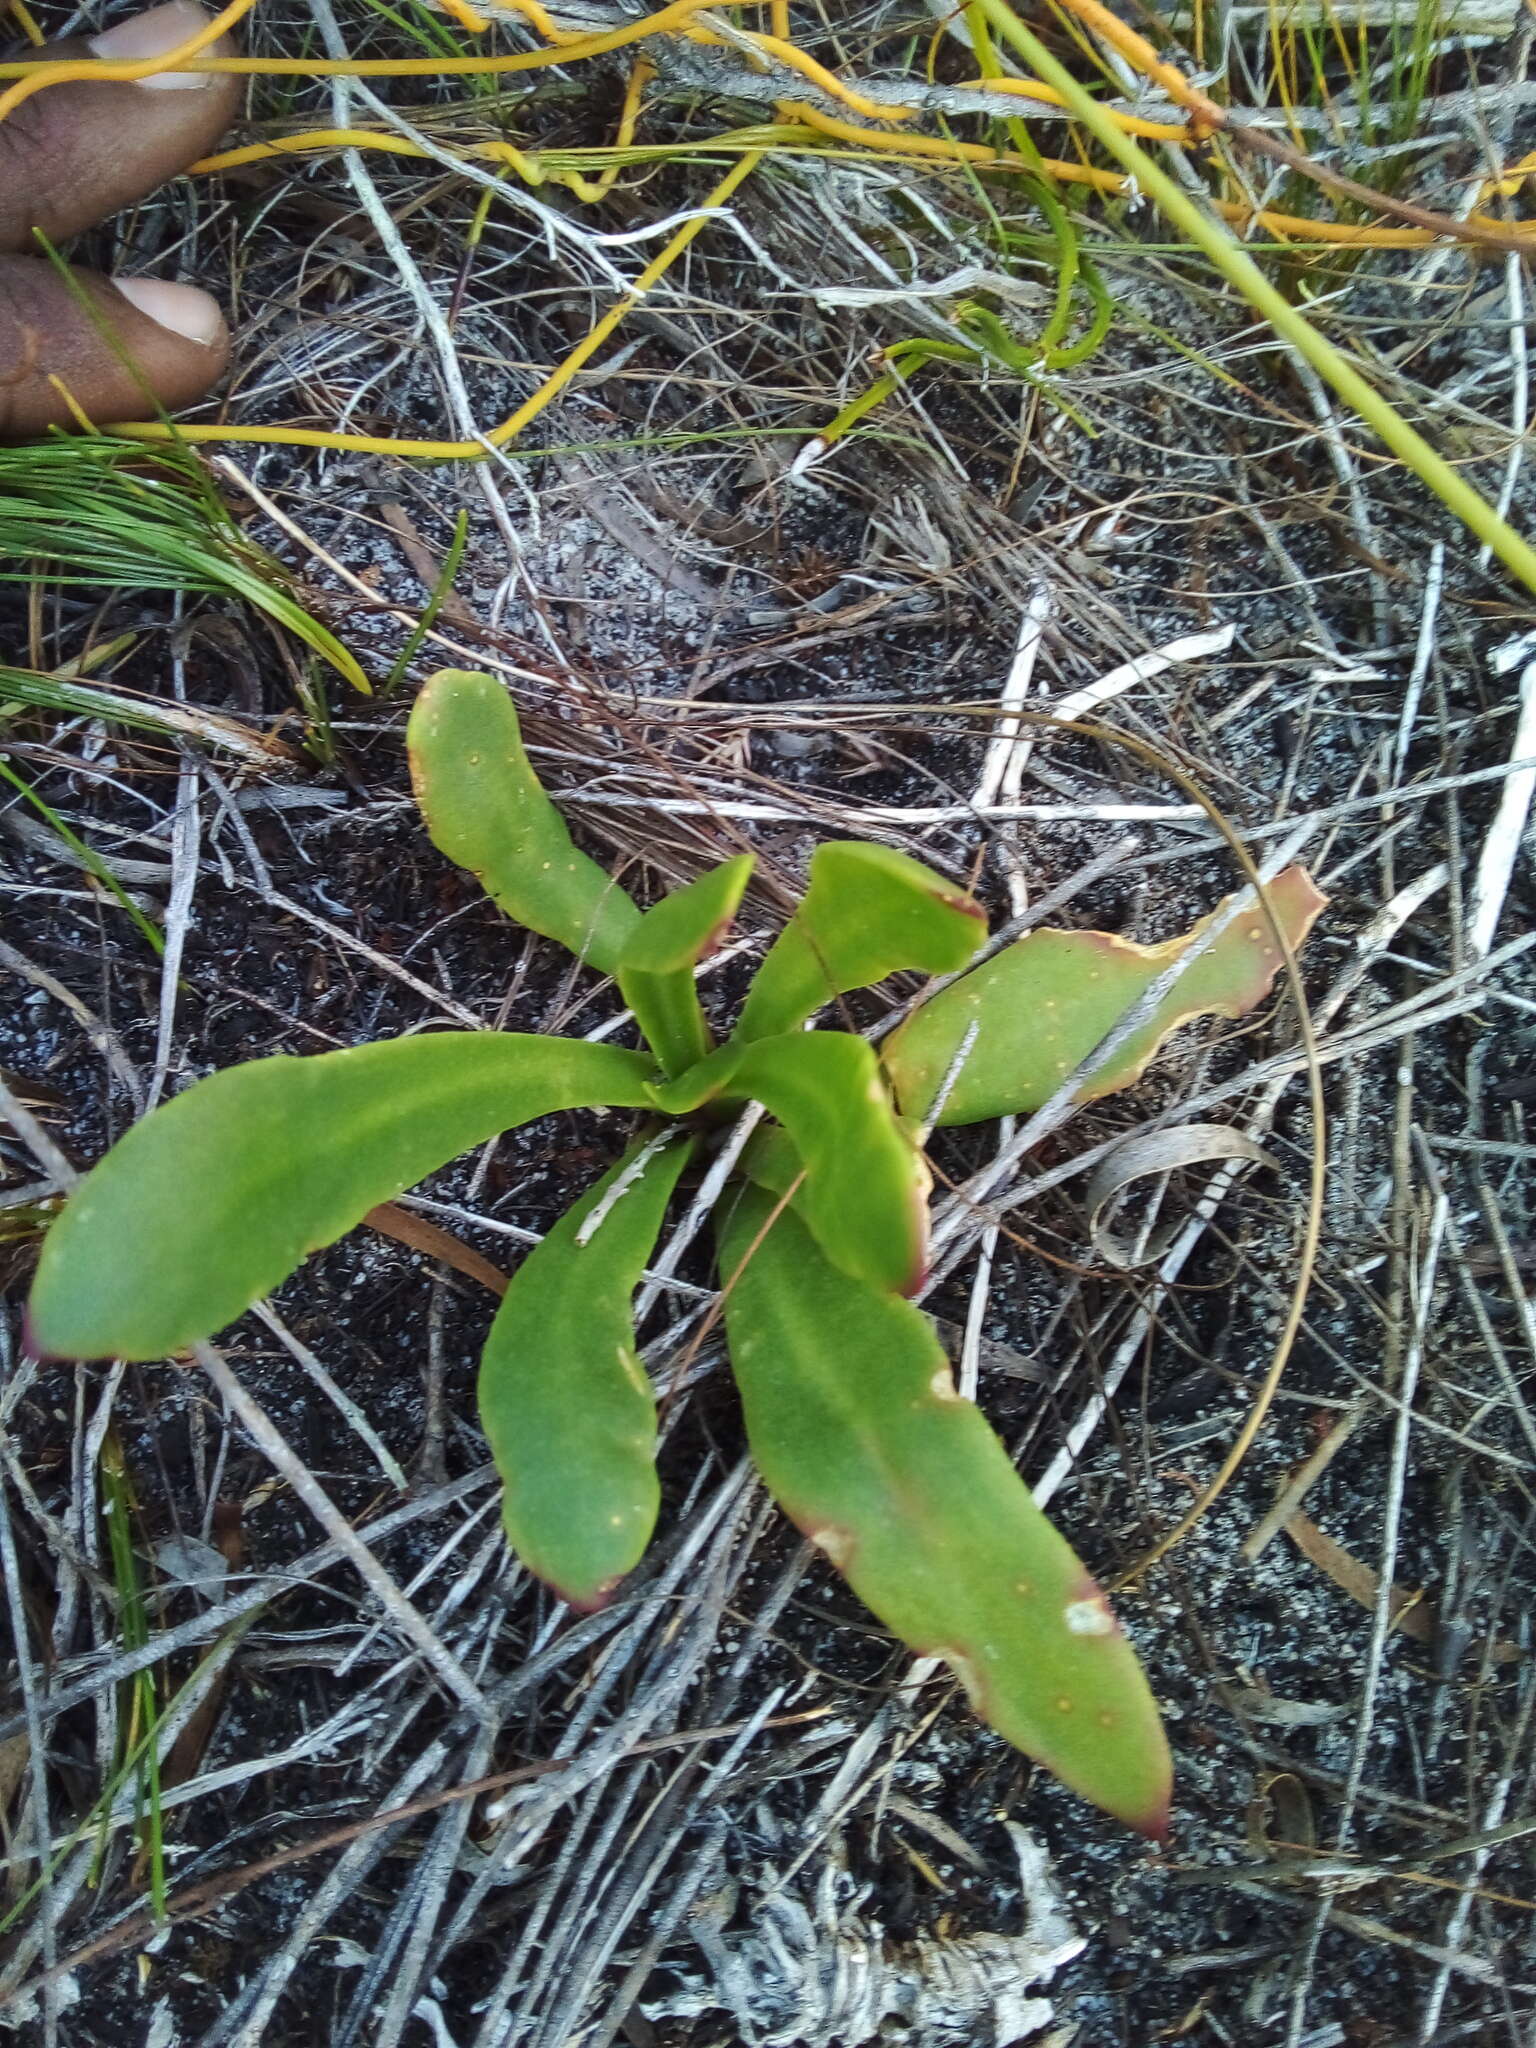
820 1969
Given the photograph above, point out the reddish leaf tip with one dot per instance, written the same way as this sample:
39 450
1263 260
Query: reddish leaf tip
589 1601
33 1344
1156 1824
718 934
967 905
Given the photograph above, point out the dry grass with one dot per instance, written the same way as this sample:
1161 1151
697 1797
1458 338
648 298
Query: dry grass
715 643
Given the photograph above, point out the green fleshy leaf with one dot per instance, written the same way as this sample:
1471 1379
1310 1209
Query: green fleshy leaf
865 1193
855 1425
219 1194
564 1399
769 1160
655 969
486 809
1042 1005
867 913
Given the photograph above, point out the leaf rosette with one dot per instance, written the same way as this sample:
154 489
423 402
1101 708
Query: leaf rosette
851 1412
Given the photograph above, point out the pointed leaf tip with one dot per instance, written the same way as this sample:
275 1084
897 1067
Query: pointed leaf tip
1156 1824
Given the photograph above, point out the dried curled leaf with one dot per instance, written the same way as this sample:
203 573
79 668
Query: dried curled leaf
1154 1155
1040 1007
856 1427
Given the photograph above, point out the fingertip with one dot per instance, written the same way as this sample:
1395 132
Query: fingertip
155 34
90 146
118 349
183 309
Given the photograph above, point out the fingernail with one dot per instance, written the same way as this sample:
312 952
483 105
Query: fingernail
180 307
151 35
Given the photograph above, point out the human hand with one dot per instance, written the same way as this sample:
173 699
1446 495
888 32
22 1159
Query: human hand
69 157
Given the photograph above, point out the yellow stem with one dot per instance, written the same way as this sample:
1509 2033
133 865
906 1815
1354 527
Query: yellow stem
1037 89
466 16
32 78
26 24
641 73
1292 226
35 75
553 385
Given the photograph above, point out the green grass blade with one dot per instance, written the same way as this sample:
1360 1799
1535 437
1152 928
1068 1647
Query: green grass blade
219 1194
656 967
1240 271
564 1399
1040 1007
865 1191
487 810
442 590
133 1761
855 1425
867 912
88 857
142 1715
100 511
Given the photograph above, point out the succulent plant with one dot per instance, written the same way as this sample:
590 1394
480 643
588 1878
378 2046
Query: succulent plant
851 1410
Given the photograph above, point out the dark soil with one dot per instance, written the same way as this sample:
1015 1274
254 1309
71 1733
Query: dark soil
696 628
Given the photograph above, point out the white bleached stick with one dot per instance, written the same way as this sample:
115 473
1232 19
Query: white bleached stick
1002 772
1497 862
1141 668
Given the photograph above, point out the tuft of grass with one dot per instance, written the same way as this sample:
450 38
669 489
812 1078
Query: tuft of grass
102 512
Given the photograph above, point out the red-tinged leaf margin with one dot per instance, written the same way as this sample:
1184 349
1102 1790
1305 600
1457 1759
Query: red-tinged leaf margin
855 1424
485 809
1036 1010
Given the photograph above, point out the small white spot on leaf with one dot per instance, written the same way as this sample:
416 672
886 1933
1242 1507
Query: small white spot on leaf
1089 1617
